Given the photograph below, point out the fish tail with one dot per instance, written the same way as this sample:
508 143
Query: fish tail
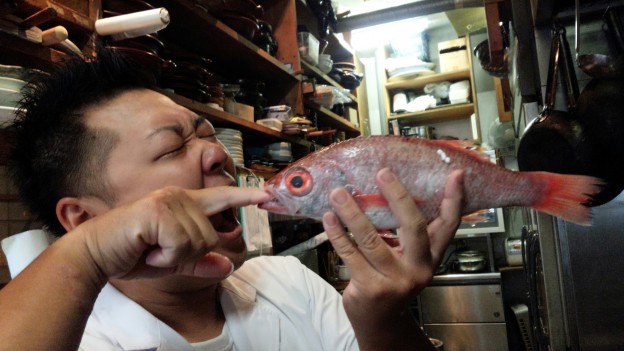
567 196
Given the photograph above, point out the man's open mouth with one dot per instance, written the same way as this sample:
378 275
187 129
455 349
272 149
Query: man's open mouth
225 221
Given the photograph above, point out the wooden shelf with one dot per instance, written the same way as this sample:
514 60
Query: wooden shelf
229 50
308 68
224 119
333 120
21 52
420 82
437 114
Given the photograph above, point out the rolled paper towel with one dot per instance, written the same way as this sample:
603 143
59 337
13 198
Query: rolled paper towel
134 24
21 249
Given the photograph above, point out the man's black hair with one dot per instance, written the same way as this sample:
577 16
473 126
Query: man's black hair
54 153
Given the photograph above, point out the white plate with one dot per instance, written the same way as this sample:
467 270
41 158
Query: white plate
230 139
11 83
9 97
7 115
227 131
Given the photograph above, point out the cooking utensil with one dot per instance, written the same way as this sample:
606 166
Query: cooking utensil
470 261
600 107
482 52
599 65
555 140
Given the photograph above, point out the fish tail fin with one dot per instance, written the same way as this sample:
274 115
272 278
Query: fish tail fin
566 196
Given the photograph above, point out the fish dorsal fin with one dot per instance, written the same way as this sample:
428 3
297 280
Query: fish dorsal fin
465 146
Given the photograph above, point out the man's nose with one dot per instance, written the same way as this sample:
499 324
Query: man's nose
214 158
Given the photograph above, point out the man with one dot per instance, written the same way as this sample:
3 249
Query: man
153 258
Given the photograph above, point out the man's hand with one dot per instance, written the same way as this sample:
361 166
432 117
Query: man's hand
167 232
383 280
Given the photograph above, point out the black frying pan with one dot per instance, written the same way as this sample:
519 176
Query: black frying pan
601 114
555 141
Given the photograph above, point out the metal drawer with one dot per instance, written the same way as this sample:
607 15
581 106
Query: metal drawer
462 304
470 336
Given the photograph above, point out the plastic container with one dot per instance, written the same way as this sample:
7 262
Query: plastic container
308 47
325 96
281 112
459 92
272 123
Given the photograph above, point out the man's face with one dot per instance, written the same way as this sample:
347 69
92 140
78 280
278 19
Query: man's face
161 143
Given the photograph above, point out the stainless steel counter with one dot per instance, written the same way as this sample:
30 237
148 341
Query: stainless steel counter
466 279
465 311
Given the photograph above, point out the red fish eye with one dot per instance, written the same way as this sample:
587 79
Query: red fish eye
299 182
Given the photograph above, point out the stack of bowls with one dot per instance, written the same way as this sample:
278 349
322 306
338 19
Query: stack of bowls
325 63
232 139
280 152
12 80
191 76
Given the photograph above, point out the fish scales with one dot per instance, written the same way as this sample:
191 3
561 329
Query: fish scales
423 166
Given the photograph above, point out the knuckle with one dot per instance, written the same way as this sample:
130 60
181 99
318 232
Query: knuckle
370 240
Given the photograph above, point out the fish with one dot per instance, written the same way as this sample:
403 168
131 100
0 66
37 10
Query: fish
302 189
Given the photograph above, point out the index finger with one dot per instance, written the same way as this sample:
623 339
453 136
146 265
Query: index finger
216 199
412 223
446 224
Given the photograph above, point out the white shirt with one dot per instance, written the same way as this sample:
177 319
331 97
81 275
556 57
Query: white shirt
270 303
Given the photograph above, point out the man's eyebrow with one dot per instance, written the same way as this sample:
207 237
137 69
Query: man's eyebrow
198 121
177 128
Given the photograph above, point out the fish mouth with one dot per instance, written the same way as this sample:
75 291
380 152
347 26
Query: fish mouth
274 205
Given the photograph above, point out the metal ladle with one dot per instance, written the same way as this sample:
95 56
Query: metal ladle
597 65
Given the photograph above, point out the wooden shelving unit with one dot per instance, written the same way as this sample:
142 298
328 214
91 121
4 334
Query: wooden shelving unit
445 113
420 82
438 114
333 120
313 70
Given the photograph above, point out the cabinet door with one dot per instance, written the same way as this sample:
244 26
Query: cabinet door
469 336
462 304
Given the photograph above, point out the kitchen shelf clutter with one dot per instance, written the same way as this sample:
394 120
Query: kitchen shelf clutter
328 63
211 35
428 98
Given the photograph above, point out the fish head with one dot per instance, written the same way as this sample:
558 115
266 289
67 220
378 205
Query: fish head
303 188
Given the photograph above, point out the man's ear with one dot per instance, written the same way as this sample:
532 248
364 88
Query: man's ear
72 211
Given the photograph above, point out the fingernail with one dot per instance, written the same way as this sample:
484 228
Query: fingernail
231 268
387 176
340 197
330 219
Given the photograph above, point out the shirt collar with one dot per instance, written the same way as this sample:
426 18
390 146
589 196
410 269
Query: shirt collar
134 328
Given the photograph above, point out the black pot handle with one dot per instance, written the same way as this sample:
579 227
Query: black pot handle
553 64
570 83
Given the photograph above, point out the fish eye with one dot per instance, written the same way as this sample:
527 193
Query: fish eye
299 182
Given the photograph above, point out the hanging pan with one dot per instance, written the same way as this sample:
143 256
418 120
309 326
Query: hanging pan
601 114
554 141
600 65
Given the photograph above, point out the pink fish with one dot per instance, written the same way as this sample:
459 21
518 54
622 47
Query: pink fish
423 166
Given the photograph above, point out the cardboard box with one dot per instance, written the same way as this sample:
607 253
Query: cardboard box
453 55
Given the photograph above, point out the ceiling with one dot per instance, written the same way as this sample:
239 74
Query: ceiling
357 7
464 20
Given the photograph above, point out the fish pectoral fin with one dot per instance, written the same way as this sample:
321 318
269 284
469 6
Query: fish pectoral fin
376 200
